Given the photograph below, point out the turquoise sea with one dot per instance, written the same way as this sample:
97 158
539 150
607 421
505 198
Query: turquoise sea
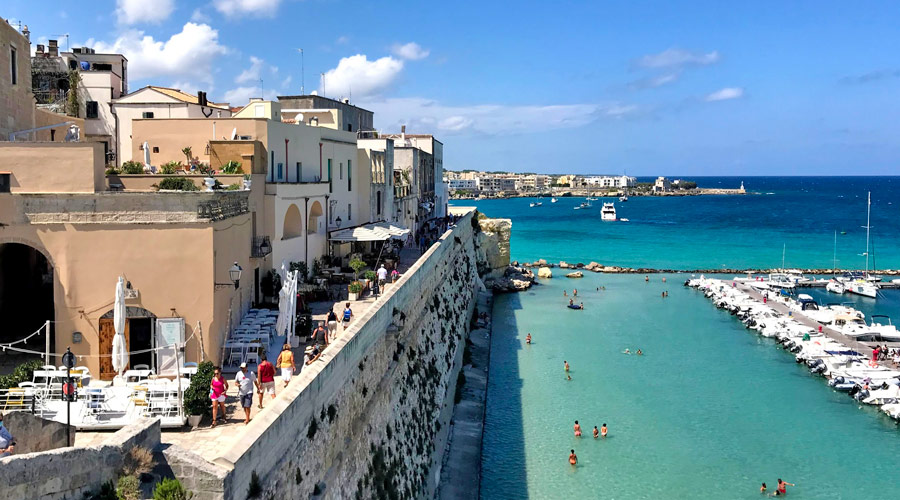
711 410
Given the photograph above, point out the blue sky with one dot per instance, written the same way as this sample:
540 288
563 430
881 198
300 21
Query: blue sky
647 88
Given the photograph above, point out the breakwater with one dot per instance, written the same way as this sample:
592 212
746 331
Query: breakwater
601 268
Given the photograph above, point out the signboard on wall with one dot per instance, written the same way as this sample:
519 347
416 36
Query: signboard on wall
169 335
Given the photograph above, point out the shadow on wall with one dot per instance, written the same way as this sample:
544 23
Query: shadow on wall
503 447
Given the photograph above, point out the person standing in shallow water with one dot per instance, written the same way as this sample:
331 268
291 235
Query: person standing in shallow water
566 365
596 432
573 458
603 430
528 339
782 487
577 429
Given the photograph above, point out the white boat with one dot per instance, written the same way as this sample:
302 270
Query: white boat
864 288
835 286
623 198
783 280
590 199
536 204
553 200
859 283
608 212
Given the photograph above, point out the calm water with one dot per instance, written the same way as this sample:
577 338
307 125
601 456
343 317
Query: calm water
711 410
707 232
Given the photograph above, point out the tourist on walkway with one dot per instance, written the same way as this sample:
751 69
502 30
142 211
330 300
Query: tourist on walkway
320 336
246 381
7 442
311 354
348 313
382 276
395 275
266 379
285 361
332 324
217 387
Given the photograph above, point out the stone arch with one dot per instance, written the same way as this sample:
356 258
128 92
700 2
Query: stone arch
27 298
293 223
315 211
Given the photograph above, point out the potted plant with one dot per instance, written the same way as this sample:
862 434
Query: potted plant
196 397
354 290
210 179
232 167
370 277
247 182
357 265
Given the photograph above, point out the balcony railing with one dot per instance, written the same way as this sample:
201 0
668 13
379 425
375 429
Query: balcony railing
260 246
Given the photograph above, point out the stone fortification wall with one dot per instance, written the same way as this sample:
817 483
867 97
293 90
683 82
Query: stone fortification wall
370 419
67 473
35 434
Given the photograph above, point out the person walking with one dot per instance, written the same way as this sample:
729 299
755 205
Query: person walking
320 336
382 276
332 324
217 387
348 314
7 441
246 381
266 379
285 361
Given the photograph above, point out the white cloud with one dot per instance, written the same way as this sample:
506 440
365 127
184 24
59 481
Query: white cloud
239 96
343 39
189 54
677 58
356 74
410 51
143 11
725 94
252 73
654 81
186 86
259 8
200 17
424 115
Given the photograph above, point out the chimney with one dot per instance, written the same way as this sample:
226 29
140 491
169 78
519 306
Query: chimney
201 98
39 50
52 48
403 132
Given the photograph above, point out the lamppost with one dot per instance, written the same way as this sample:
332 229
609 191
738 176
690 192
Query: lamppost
68 360
234 273
338 221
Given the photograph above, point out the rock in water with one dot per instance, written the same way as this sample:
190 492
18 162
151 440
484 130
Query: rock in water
576 274
545 272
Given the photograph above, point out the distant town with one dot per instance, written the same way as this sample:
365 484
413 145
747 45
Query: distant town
469 184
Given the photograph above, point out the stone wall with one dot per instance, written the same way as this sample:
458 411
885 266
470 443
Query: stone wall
369 419
34 434
67 473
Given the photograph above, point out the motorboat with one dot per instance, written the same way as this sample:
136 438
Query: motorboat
623 198
536 203
553 200
784 280
608 212
835 286
585 204
862 287
590 199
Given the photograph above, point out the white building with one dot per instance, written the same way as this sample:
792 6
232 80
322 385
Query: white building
160 102
463 184
609 181
662 185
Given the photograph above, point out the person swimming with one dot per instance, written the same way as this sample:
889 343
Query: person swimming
646 278
528 339
626 351
575 292
577 429
603 430
568 377
571 302
573 458
565 293
566 365
581 305
762 488
640 352
596 432
664 279
781 489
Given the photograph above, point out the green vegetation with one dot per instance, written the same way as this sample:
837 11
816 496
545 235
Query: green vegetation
232 167
73 102
177 184
357 265
128 488
171 489
196 397
22 373
255 489
370 275
171 167
111 170
355 287
132 167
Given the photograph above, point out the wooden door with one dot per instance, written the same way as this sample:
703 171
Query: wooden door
107 332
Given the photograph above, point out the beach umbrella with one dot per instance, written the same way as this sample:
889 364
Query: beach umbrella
119 350
146 154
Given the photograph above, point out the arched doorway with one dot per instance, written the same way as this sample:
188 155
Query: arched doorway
138 337
315 211
26 294
293 223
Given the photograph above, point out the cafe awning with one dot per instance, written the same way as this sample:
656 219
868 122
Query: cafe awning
376 231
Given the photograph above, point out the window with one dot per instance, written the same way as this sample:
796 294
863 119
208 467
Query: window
280 172
329 175
299 172
349 175
272 166
378 202
13 66
341 171
349 211
92 109
156 149
147 114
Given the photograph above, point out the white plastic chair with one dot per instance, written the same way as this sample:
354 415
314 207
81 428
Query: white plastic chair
141 367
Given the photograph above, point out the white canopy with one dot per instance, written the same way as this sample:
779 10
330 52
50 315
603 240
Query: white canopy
376 231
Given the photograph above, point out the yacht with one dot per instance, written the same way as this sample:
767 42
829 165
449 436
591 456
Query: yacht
835 286
536 203
608 212
859 283
590 199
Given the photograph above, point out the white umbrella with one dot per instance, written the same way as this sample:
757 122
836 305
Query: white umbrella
146 154
119 351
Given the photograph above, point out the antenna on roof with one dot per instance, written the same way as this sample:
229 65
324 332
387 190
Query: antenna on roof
302 74
262 91
67 40
323 83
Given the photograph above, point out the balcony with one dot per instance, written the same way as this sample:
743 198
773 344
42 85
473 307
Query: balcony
260 246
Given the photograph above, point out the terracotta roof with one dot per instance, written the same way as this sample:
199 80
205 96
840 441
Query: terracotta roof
184 97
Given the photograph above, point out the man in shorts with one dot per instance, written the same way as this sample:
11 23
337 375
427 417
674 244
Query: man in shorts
332 324
266 379
348 314
246 381
320 336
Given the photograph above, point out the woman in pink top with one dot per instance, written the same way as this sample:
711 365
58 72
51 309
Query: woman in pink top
217 387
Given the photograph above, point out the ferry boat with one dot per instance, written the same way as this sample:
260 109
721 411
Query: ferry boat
608 212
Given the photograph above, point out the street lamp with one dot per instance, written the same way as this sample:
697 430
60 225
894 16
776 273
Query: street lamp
68 360
338 221
235 274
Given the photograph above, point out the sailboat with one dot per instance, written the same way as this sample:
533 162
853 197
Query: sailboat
834 285
859 283
624 196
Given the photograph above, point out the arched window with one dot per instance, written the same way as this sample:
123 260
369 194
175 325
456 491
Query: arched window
315 211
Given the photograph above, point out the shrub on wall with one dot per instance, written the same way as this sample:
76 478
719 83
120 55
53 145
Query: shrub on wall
196 397
170 167
171 489
177 184
22 373
232 167
133 167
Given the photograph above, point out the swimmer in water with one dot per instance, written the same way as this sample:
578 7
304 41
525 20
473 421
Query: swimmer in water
596 432
626 351
782 487
568 377
646 278
663 295
565 294
566 365
575 292
603 430
664 280
528 339
577 429
640 352
581 305
762 489
571 302
573 459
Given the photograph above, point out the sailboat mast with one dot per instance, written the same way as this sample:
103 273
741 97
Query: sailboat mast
868 218
783 248
834 256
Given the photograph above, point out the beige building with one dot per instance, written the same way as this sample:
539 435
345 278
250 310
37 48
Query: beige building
65 239
155 103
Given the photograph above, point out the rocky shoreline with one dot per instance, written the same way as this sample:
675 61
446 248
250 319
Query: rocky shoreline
600 268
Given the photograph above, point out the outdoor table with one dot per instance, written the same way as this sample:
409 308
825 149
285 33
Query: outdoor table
137 375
